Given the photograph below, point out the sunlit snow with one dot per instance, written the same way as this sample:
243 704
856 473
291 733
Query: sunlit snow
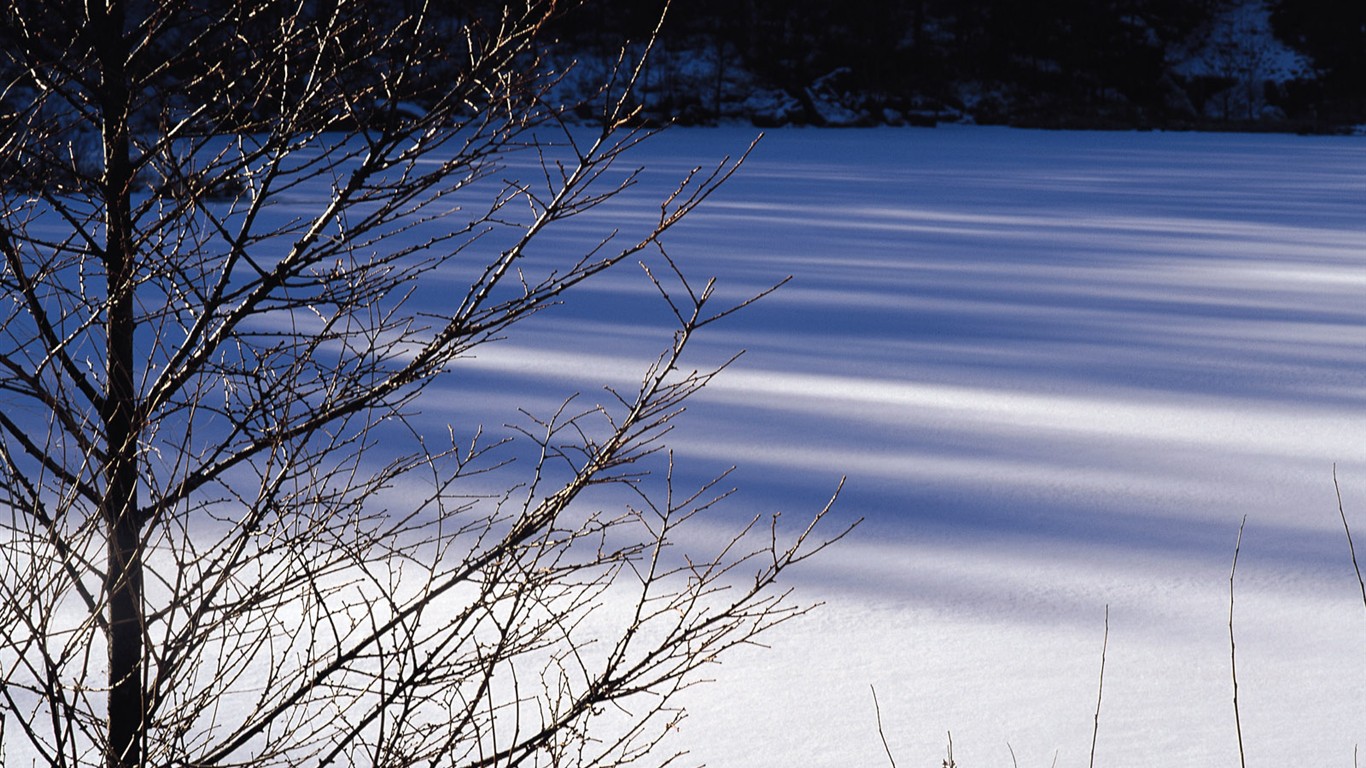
1058 370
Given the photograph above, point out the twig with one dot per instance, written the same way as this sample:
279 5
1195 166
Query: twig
948 761
877 711
1350 546
1233 648
1015 763
1100 689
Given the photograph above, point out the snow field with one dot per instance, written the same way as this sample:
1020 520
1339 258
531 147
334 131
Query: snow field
1058 369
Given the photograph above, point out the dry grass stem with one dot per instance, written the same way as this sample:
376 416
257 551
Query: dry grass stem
877 711
1233 647
1100 688
1347 529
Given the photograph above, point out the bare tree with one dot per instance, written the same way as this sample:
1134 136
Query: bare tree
228 540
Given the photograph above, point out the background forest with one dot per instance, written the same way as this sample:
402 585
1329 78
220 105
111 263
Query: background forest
1280 64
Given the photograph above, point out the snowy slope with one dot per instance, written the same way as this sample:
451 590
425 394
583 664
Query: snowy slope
1058 370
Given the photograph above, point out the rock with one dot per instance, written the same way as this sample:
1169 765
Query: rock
771 108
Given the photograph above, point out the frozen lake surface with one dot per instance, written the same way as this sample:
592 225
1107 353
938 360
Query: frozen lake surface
1058 370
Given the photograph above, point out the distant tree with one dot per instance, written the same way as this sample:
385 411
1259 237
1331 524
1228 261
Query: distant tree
240 242
1238 58
1333 34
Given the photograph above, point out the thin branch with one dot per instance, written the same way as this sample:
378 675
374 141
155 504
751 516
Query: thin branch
1100 687
1232 646
877 712
1348 531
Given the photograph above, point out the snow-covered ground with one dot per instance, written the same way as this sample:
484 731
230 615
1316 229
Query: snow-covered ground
1058 370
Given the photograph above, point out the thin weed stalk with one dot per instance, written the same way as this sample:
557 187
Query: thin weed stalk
1100 688
1233 647
877 712
1348 530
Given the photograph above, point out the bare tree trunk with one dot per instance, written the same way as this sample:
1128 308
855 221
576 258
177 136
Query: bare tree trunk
127 702
124 578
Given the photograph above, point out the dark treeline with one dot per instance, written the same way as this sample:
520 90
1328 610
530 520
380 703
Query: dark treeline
1064 63
1090 63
